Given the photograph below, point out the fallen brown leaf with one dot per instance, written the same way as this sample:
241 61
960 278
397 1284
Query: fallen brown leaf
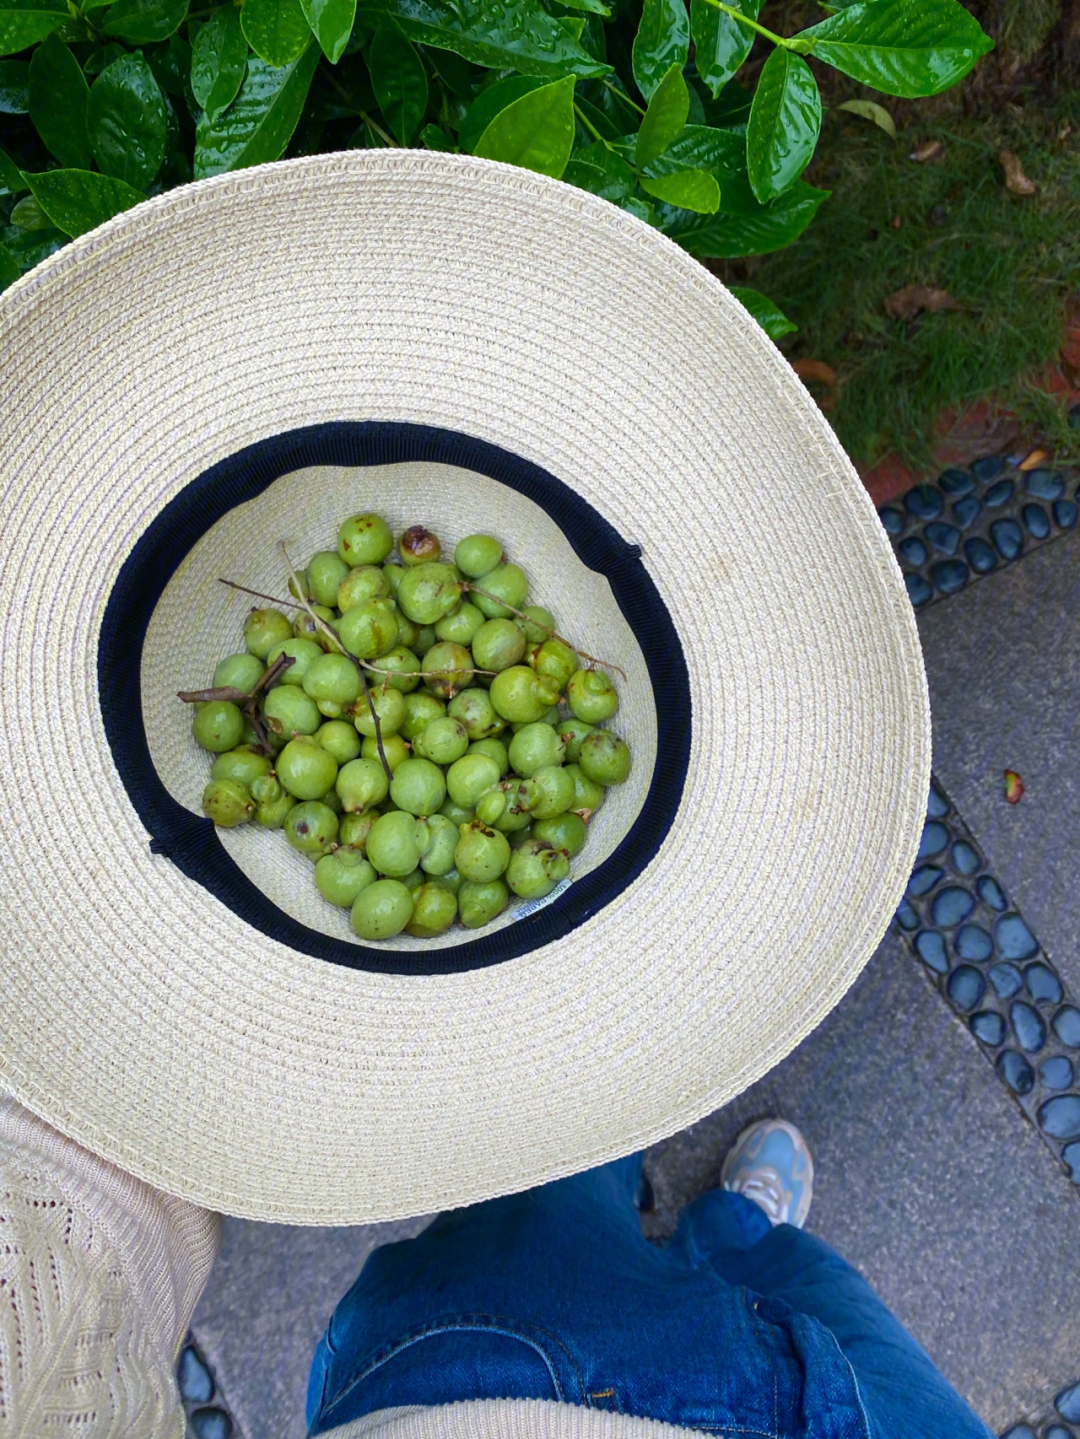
928 150
1015 179
1034 460
824 374
905 304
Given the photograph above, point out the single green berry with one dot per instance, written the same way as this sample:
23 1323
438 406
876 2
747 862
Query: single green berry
325 572
333 683
399 668
458 814
470 777
562 831
592 696
392 844
311 828
353 829
504 589
535 869
522 696
473 708
228 803
241 672
382 910
434 911
481 853
420 709
588 795
243 764
516 815
218 726
263 629
393 574
451 880
339 738
496 749
303 652
461 626
389 705
425 638
364 540
361 784
480 903
520 837
342 875
394 747
418 546
477 555
305 628
443 740
428 592
498 644
365 582
447 668
369 630
273 813
418 786
553 791
290 711
443 835
491 806
555 661
299 586
534 746
332 800
414 881
574 731
605 758
305 769
550 716
266 789
538 624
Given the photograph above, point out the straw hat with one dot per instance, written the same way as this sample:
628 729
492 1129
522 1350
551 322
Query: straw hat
470 346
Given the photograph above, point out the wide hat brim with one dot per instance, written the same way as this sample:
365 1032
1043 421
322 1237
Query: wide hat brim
148 1020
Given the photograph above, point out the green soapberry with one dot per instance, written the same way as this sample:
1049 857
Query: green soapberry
243 764
555 661
407 632
434 911
272 813
480 903
303 652
443 740
305 628
588 795
491 807
395 748
263 629
393 574
443 835
428 592
605 759
477 555
299 587
325 572
461 626
447 668
522 696
399 668
498 644
418 546
503 586
290 711
495 748
470 777
553 792
473 709
361 784
353 829
311 828
266 789
562 831
241 672
420 710
333 683
369 630
535 869
389 705
592 696
574 731
425 638
481 853
533 746
458 814
520 837
218 726
339 738
365 582
414 881
364 540
418 786
305 769
343 875
451 880
520 794
392 844
228 803
332 800
550 716
382 910
539 624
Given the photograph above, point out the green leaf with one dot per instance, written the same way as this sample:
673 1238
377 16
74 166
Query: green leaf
903 47
701 147
331 23
594 7
400 80
78 200
535 132
11 177
503 34
769 316
276 30
432 138
742 226
721 44
598 170
127 121
597 119
171 63
731 108
58 95
489 103
662 41
29 215
219 60
14 87
25 22
141 22
785 120
10 269
870 110
664 119
259 123
689 189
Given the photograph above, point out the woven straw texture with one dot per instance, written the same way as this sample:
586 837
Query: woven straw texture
99 1275
141 1016
505 1419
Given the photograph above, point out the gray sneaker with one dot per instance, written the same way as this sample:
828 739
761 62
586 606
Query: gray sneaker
770 1163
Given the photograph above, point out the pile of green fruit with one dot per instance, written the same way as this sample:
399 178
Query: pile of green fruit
417 729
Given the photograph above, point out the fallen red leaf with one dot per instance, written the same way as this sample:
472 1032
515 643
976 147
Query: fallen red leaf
905 304
926 151
1014 787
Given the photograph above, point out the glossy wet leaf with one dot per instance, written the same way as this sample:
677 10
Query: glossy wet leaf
14 87
400 80
171 64
594 7
432 138
10 270
721 44
785 120
903 47
536 132
598 170
79 200
597 118
25 22
664 119
503 34
27 214
662 41
490 102
276 30
743 226
702 147
331 23
127 122
872 111
141 22
689 189
259 123
768 315
58 95
219 59
11 177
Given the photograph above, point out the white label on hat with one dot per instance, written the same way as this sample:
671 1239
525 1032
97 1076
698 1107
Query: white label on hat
532 905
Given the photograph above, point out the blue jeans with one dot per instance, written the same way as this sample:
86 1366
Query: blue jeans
554 1294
